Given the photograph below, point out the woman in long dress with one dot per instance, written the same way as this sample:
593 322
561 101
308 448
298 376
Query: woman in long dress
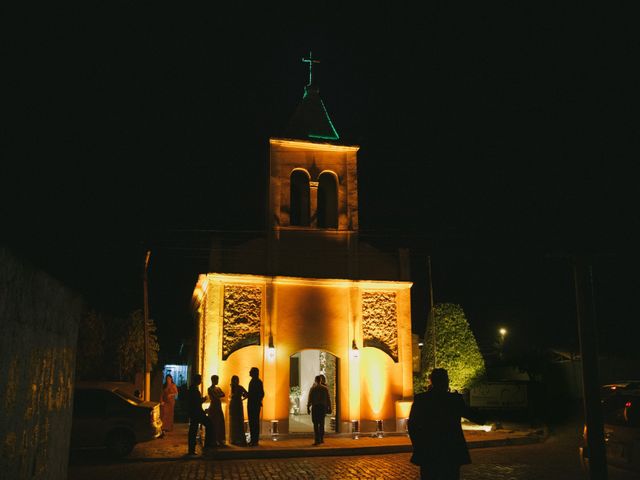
168 403
215 410
236 412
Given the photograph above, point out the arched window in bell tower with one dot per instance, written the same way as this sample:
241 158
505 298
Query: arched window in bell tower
299 200
327 201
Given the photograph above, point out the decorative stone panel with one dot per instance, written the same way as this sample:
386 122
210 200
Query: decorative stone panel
380 322
241 318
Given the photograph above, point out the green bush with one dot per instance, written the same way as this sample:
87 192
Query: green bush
449 343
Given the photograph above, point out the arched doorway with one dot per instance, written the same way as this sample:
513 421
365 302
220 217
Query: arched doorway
303 368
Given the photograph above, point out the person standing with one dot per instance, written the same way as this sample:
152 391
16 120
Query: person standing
215 410
168 403
197 417
236 413
254 404
318 404
439 446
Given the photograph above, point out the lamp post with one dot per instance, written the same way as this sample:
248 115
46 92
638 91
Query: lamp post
431 313
147 374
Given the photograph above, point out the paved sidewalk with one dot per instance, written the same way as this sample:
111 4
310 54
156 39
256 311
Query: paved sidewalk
173 446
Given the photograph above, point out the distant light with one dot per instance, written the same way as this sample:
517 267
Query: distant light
420 344
503 331
628 404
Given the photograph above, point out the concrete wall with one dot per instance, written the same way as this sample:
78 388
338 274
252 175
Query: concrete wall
38 332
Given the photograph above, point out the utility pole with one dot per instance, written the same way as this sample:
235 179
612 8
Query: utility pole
147 370
431 314
585 309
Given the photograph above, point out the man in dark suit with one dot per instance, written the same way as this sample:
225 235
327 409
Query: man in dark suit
198 417
254 404
439 446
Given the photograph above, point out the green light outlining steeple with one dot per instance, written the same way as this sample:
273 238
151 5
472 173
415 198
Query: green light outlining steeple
311 119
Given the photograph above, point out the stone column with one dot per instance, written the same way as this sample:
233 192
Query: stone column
313 199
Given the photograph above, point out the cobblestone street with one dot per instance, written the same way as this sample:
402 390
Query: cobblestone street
491 463
555 459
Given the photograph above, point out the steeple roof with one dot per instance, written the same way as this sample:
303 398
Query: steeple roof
311 121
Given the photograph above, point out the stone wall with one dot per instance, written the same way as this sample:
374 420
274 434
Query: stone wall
38 332
241 327
380 322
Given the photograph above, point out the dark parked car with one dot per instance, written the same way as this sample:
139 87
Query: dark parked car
105 415
622 434
621 431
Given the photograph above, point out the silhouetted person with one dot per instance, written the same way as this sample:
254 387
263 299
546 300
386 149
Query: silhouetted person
197 417
215 410
168 403
439 446
318 404
236 412
254 404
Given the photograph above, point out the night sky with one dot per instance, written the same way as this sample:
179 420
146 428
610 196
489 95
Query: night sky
500 140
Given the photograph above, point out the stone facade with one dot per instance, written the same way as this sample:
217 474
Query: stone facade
39 321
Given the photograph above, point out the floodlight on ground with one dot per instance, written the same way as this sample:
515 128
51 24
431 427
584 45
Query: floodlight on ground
379 430
355 429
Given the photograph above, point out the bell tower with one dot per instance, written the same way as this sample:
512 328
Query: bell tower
313 192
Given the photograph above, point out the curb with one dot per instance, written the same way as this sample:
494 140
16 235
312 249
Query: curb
331 451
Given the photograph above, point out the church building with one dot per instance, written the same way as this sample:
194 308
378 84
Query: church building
309 297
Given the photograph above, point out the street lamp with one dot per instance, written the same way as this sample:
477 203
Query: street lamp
503 332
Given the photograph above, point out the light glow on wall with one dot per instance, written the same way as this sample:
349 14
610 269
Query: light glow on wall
376 384
403 408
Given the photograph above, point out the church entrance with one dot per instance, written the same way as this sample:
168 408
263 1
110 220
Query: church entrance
303 368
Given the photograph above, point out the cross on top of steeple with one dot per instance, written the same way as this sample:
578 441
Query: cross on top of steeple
310 61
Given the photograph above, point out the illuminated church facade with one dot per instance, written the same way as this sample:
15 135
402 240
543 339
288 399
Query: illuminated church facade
309 297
